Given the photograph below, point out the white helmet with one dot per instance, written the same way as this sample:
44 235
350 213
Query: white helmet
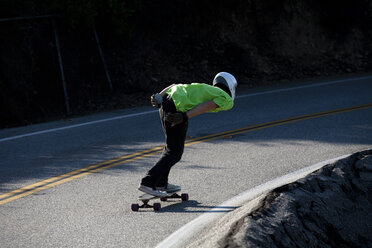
228 80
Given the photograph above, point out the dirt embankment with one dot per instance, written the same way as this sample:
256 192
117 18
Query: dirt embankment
259 41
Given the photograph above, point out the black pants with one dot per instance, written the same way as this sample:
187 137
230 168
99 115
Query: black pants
175 137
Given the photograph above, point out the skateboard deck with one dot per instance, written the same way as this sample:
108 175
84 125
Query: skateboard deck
146 198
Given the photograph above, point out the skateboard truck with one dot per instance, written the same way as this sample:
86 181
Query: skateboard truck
135 206
156 206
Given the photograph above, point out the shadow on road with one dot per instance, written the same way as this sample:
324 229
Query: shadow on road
193 206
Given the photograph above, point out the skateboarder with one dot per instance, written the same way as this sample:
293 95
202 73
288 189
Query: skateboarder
177 104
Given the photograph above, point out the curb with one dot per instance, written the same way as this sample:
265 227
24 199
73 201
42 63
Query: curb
189 233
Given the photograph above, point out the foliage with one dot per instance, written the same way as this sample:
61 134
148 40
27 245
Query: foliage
74 12
85 12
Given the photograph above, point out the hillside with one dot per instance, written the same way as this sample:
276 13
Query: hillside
150 44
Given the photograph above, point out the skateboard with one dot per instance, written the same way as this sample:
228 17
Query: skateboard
146 198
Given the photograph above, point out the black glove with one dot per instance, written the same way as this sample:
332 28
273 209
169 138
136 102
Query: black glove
176 118
156 100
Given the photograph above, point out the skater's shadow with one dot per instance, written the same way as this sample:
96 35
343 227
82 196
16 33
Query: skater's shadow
193 206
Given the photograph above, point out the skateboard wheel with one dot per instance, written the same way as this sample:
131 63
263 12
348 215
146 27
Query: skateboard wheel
157 206
185 197
163 199
135 207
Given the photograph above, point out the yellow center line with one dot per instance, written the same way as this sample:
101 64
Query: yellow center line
50 182
54 181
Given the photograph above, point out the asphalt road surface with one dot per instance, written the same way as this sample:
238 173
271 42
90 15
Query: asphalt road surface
71 183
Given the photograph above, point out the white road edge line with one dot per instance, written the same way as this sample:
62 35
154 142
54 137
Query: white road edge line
155 111
306 86
187 233
77 125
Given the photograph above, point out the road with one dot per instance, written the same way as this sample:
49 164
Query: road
71 183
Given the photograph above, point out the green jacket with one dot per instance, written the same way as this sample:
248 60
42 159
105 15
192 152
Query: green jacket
188 96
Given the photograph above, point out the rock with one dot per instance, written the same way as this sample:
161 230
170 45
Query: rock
331 207
365 164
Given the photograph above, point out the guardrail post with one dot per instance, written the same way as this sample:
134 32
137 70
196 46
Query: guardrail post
61 67
102 57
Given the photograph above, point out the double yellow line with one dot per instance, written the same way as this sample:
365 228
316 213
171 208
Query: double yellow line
54 181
